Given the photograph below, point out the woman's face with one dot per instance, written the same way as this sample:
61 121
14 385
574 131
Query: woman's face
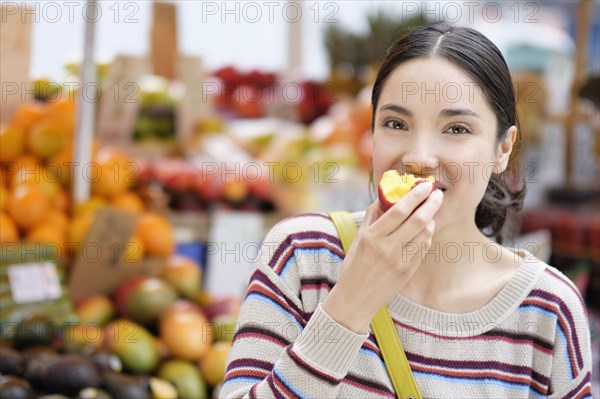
432 119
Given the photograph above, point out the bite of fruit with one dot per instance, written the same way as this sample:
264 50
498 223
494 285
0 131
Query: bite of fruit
393 186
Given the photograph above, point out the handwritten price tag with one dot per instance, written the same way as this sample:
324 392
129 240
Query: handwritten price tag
99 267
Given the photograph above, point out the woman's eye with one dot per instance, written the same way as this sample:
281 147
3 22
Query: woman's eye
458 129
395 124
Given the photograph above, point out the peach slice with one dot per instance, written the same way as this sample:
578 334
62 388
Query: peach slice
394 186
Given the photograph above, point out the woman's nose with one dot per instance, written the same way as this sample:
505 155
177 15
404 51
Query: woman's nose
420 157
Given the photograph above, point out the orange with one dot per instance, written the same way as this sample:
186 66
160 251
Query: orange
8 229
114 173
61 165
79 228
27 205
3 176
28 114
47 137
63 114
157 234
63 201
12 143
57 219
45 182
19 169
128 201
133 251
47 234
90 206
3 197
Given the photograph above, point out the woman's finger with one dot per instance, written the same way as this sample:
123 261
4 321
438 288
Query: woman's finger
400 212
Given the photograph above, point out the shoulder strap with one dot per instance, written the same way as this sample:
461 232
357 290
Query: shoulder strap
383 327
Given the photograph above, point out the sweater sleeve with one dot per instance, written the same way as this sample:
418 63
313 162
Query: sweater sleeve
572 356
279 350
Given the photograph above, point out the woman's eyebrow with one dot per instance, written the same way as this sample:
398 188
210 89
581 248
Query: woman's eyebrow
450 112
396 108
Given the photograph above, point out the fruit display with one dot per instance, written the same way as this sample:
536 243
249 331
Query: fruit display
151 336
154 337
37 175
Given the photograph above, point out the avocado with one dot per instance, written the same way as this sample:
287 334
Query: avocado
68 374
37 330
126 386
15 388
11 361
93 393
36 361
35 351
106 361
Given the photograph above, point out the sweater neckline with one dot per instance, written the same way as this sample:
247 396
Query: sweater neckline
476 322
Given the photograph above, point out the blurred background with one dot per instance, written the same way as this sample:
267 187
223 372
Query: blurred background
147 147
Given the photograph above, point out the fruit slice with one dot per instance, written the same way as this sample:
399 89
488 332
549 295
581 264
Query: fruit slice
394 186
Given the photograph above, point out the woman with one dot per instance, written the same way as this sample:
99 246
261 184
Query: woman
476 319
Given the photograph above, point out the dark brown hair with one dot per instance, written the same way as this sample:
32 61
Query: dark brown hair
479 58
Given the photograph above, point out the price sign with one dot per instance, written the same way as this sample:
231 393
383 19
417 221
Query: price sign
195 104
120 103
235 239
99 266
34 282
15 49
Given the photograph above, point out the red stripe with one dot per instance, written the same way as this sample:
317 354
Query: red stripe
287 393
283 259
587 389
371 346
275 391
245 372
307 287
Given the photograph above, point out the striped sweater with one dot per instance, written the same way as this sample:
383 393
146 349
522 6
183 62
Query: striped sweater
530 341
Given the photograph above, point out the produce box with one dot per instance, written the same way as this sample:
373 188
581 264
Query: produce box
32 285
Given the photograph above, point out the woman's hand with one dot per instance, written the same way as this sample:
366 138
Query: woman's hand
386 252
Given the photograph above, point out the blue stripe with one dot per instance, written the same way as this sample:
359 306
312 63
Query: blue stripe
561 333
563 338
480 381
269 301
288 385
371 353
332 257
284 269
538 309
248 379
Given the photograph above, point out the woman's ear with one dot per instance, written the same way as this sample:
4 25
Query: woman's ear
505 148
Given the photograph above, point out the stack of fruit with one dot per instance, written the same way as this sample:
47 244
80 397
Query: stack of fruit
252 94
37 174
191 188
157 337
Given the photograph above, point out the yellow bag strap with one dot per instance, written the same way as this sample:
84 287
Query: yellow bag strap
383 327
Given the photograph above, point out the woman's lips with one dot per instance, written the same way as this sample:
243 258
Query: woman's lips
440 185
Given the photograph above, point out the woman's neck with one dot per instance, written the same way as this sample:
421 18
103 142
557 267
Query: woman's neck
462 270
